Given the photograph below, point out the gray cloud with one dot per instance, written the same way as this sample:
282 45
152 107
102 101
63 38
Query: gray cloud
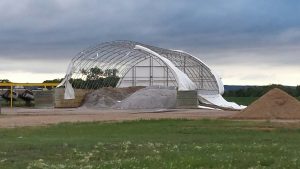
219 31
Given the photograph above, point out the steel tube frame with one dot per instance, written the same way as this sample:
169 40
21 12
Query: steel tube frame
120 55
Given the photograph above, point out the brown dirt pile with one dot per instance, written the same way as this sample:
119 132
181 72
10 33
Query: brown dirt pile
276 104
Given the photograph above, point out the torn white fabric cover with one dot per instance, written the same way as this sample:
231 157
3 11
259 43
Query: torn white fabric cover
217 77
218 100
184 82
219 81
69 91
207 108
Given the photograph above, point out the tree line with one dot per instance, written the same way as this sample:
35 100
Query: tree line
95 78
258 91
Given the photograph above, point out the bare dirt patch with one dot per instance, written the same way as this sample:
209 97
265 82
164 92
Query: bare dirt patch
20 117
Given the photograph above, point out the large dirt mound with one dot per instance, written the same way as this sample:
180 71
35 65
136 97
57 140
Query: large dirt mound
107 97
150 98
276 104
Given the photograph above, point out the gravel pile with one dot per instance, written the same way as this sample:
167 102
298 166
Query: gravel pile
150 98
132 98
107 97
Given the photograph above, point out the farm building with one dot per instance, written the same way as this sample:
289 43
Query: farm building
127 63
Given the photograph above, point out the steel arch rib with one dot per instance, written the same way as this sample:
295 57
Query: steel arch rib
217 77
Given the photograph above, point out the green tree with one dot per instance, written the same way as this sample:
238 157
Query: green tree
298 90
94 73
110 72
257 91
53 81
5 81
97 78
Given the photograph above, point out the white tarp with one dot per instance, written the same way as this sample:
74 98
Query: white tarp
184 82
69 91
218 100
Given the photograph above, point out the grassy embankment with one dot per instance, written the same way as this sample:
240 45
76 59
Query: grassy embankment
152 144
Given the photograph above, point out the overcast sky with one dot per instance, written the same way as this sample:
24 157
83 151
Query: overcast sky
245 41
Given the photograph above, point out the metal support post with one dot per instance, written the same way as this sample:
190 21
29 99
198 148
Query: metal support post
11 96
0 104
151 71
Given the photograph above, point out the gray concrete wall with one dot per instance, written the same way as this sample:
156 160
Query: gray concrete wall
43 99
60 102
187 99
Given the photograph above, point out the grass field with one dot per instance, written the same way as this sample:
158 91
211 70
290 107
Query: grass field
152 144
242 100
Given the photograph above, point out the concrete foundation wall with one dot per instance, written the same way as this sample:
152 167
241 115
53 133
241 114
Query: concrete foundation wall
43 99
60 102
187 99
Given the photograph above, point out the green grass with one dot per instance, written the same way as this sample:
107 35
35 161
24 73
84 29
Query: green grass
152 144
242 100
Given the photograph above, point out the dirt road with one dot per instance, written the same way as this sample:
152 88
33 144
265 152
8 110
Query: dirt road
20 117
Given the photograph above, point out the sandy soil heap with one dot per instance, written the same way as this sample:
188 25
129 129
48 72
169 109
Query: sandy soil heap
106 97
276 104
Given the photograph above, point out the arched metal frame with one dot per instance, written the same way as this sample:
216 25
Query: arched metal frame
122 56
